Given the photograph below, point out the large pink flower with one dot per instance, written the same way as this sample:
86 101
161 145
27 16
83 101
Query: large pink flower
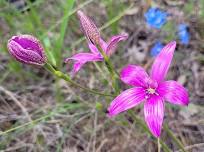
151 89
93 37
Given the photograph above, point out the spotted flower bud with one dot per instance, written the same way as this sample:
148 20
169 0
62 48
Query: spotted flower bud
89 28
26 49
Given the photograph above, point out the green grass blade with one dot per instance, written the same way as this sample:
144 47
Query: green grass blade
67 9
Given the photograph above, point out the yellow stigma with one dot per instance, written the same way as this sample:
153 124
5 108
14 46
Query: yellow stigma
151 91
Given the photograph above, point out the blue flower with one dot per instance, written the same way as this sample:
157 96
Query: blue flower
156 48
155 17
183 34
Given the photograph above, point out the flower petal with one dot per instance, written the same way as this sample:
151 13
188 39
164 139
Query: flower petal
154 114
134 75
76 67
84 57
93 48
162 62
112 44
81 59
173 92
126 100
103 44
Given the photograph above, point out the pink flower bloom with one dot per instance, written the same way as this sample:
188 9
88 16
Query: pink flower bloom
93 37
151 89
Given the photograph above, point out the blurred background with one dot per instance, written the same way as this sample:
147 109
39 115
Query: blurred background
41 113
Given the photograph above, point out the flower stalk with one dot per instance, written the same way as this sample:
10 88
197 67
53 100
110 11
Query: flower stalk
110 67
67 78
158 143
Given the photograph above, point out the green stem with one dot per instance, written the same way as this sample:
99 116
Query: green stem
177 141
158 143
110 67
61 75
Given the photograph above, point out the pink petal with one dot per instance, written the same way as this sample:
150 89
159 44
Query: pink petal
134 75
93 48
154 114
162 62
173 92
76 67
81 59
104 45
113 43
126 100
85 57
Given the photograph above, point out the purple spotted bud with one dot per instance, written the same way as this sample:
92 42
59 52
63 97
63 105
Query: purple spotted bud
27 49
89 28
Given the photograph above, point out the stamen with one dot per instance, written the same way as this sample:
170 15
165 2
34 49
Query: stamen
151 91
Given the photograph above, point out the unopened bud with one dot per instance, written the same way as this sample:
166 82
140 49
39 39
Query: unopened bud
27 49
89 28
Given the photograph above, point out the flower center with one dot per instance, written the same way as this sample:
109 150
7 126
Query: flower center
151 88
151 91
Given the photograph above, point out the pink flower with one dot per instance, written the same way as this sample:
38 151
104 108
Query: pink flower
151 89
93 37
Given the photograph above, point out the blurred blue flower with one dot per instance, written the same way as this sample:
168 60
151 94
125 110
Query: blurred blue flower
183 34
155 17
158 46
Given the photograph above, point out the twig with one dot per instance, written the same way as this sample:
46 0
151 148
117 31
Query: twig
10 94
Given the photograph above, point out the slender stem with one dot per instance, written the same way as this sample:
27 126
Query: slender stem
110 67
100 70
25 124
158 143
177 141
61 75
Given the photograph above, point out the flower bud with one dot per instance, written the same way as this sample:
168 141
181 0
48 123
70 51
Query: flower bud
27 49
89 28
